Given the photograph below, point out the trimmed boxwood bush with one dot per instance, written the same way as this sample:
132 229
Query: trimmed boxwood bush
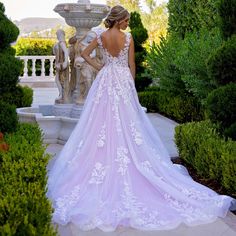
8 117
24 207
221 65
8 30
23 97
221 105
208 153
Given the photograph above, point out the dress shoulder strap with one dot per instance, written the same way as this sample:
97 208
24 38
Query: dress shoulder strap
128 39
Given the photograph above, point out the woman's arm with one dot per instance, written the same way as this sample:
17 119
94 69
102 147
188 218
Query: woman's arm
132 58
86 54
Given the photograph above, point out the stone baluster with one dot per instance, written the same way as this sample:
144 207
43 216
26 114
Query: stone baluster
51 67
33 67
25 67
43 67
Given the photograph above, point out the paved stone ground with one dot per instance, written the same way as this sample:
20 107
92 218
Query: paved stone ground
165 127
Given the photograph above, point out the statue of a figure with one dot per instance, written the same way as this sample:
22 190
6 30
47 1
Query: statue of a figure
87 72
72 51
62 67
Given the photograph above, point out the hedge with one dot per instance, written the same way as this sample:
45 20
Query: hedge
24 208
180 108
208 153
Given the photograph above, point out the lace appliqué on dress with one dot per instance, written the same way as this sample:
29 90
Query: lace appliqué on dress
123 160
65 203
102 137
98 174
136 135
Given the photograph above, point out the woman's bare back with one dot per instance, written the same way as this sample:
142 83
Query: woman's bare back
113 41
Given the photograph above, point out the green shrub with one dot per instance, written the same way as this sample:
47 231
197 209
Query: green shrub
207 152
179 108
25 209
182 108
191 61
179 66
149 99
162 68
34 46
8 30
23 97
221 105
227 12
221 65
8 117
10 68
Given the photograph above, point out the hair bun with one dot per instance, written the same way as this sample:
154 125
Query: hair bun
107 23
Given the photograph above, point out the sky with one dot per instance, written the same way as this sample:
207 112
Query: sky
20 9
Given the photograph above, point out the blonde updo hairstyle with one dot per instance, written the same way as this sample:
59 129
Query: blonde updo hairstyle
116 14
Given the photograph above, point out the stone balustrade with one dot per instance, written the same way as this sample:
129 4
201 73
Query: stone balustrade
39 77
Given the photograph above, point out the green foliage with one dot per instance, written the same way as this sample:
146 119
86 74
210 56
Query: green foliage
202 147
180 108
34 46
10 68
227 12
231 131
155 22
192 15
140 35
8 31
161 66
221 105
8 117
191 61
149 99
23 97
2 8
130 5
221 65
179 66
25 209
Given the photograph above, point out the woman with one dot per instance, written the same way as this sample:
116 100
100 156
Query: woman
114 169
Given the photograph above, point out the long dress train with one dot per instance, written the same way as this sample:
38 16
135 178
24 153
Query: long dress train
114 169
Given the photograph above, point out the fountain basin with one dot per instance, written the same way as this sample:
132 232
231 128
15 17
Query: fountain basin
56 121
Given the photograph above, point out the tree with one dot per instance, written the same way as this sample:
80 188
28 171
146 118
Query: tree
188 16
140 35
156 23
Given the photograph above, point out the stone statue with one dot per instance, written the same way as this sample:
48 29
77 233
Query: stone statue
62 68
72 51
87 72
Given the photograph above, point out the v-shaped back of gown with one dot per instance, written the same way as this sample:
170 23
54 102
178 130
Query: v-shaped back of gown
122 58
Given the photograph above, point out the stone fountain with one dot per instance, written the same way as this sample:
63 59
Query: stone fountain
57 121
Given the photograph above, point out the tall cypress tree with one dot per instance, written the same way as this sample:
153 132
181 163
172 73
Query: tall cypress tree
140 35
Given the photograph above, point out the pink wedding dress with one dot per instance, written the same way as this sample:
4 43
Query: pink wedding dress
114 169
